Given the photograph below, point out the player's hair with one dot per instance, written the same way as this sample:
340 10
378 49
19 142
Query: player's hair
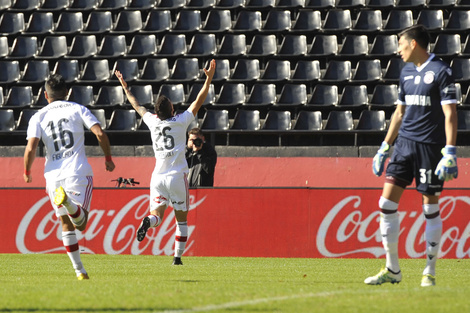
417 32
163 108
196 131
56 87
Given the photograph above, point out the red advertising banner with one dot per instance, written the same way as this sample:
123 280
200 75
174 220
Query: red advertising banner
265 222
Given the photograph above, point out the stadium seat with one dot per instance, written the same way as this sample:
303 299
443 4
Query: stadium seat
202 45
157 22
290 4
68 69
384 96
372 120
277 22
217 21
203 5
142 45
306 71
100 114
261 96
187 21
82 95
339 120
194 91
7 120
232 45
354 46
460 69
171 4
112 47
262 46
465 48
337 71
112 5
143 94
40 99
35 73
291 97
277 120
246 70
53 47
39 23
109 97
441 4
398 20
185 70
393 69
83 47
154 70
230 95
174 92
384 46
323 97
128 22
324 45
85 6
354 96
172 45
247 21
215 120
54 5
433 20
463 117
307 21
260 4
246 120
384 5
9 72
320 4
447 46
293 46
98 22
24 48
367 71
24 117
350 4
69 23
19 97
4 49
24 5
230 4
124 120
410 4
95 72
337 21
129 69
368 21
11 23
276 71
309 120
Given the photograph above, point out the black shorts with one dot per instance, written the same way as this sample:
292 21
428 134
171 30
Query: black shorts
411 159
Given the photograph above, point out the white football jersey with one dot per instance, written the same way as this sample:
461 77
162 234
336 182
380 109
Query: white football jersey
60 126
169 141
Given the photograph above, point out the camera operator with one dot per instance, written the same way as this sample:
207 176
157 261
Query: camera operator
201 158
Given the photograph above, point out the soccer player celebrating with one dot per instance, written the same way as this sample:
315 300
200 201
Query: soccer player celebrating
69 176
169 182
424 121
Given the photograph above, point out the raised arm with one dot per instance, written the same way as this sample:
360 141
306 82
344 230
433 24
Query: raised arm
135 104
201 96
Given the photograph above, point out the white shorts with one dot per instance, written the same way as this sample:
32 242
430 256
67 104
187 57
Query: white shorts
78 188
166 189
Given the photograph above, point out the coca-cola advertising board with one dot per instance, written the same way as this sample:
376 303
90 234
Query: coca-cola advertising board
249 222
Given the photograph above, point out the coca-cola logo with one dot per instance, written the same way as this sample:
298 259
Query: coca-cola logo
115 229
347 231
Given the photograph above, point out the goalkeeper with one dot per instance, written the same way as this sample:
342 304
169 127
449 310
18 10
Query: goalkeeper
424 129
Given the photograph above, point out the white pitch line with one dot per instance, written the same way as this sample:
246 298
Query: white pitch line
229 305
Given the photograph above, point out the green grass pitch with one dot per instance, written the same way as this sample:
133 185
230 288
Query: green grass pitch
125 283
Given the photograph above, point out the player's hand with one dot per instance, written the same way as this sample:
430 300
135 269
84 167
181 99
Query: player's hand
447 168
379 159
27 178
110 166
211 71
121 79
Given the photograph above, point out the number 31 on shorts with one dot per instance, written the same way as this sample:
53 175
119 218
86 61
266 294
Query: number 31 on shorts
425 176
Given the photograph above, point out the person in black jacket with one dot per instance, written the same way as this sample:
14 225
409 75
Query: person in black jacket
201 158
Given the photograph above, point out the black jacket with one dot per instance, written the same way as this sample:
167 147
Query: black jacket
201 166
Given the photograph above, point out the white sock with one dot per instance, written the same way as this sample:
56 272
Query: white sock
181 237
154 220
432 233
71 245
390 229
76 214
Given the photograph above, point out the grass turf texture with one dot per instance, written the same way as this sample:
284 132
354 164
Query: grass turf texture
120 283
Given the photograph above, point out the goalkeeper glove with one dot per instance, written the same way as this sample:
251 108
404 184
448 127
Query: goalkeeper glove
379 159
447 168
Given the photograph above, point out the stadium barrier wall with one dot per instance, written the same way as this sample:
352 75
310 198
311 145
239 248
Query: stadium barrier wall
243 222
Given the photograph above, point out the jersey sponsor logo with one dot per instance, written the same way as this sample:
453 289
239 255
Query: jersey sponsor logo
418 100
428 77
